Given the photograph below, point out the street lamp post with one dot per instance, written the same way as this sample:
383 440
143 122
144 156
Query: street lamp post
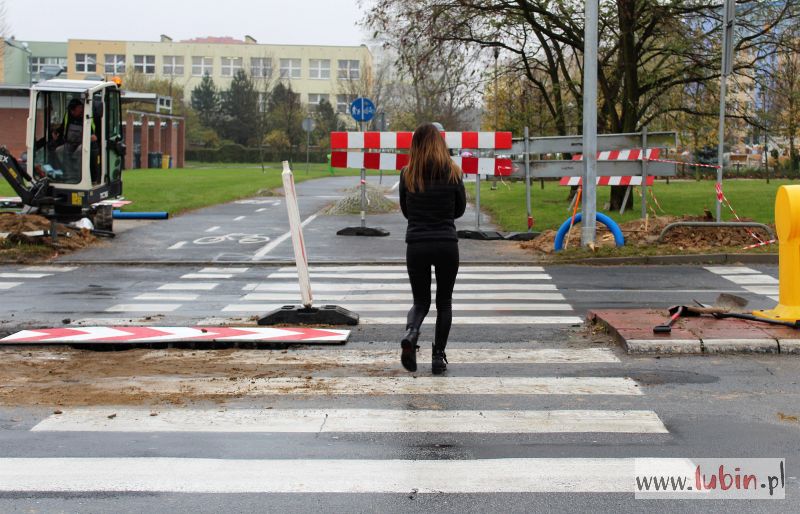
589 206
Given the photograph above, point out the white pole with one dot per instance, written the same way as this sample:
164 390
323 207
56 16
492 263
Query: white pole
300 257
589 231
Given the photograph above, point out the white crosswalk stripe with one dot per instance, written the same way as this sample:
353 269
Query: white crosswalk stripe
382 294
190 472
751 280
30 272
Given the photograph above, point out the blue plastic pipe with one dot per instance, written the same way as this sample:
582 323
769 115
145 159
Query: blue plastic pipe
158 215
619 239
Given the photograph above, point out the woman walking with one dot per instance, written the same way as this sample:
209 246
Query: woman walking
431 197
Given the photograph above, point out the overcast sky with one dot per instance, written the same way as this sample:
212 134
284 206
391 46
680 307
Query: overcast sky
318 22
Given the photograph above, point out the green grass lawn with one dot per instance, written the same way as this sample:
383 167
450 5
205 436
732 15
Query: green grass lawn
753 199
203 184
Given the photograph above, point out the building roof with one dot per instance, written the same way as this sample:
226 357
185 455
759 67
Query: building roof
223 40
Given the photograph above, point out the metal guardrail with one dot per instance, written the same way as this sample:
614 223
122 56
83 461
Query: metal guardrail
715 224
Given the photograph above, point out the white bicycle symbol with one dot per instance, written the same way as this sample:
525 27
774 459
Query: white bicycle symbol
244 239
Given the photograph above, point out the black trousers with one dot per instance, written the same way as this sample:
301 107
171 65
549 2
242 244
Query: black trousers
443 256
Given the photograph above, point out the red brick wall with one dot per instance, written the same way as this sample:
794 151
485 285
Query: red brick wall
13 124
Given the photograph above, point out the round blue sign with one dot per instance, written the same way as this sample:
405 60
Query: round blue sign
362 109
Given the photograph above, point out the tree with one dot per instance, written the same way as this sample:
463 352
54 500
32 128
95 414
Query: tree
648 51
325 117
285 113
206 101
786 96
240 111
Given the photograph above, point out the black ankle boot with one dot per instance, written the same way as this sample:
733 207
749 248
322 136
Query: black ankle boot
408 357
439 362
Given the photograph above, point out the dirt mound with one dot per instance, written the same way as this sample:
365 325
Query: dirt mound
19 246
645 233
377 203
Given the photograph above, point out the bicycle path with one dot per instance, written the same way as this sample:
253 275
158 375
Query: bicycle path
256 230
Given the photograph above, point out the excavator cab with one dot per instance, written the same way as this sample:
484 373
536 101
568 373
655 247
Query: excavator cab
75 151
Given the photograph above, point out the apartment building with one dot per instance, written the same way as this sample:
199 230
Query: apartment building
315 72
25 62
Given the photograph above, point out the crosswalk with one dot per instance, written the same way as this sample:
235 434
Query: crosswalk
751 280
361 392
485 295
13 279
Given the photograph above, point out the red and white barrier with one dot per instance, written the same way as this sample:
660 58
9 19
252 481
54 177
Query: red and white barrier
608 181
635 154
174 334
498 167
295 228
402 140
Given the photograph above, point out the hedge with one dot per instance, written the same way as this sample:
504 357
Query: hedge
239 153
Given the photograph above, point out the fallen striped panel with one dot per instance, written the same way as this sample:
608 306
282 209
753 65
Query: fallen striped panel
96 419
84 335
180 475
402 140
623 155
500 167
609 181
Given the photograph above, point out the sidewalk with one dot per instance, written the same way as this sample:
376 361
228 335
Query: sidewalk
633 328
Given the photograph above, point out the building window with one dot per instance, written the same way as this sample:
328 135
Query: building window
343 103
173 65
319 68
37 63
86 63
314 99
290 68
115 64
260 67
263 101
230 65
145 64
202 66
348 70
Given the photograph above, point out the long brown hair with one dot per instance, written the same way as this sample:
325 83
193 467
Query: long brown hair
429 159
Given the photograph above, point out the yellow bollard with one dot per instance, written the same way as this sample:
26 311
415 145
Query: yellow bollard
787 225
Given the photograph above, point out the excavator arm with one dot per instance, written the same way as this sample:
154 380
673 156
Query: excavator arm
19 179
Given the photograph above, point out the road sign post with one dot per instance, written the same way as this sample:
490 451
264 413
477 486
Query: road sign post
589 228
308 126
362 110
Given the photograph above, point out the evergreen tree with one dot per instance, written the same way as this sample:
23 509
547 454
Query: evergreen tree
205 100
241 120
285 113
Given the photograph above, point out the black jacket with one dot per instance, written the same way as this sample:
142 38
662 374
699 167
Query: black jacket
431 213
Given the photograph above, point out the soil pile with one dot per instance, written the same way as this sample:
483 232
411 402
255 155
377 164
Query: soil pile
16 225
645 233
377 203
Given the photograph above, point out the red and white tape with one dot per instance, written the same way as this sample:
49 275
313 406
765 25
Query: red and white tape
402 140
763 243
396 161
608 181
714 166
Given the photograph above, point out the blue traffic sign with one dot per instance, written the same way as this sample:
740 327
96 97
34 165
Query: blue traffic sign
362 109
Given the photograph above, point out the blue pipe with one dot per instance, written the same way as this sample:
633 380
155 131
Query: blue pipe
619 239
158 215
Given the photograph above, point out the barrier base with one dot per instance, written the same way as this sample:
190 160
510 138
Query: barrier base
363 231
300 315
482 235
522 236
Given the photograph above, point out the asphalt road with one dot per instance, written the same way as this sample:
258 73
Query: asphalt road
530 396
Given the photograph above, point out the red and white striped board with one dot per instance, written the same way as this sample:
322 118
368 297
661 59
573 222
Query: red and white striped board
396 161
140 335
113 203
635 154
608 181
402 140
